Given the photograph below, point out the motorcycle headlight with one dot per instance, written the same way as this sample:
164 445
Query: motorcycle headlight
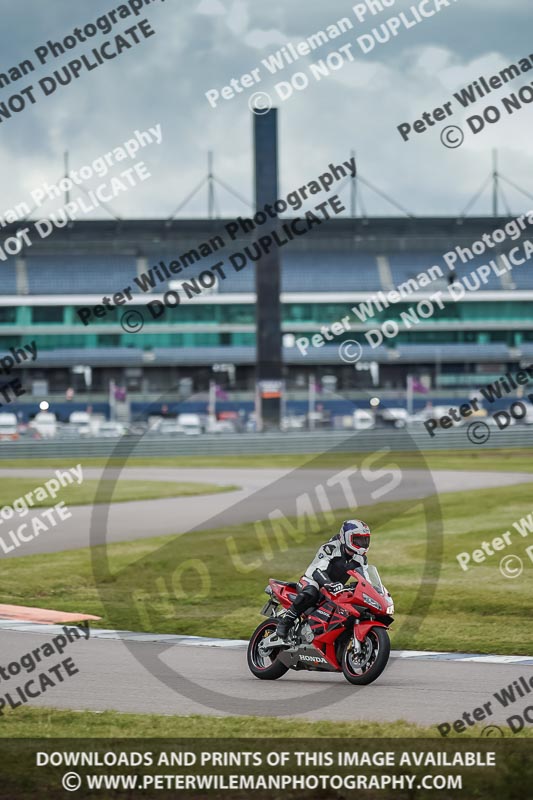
371 601
390 609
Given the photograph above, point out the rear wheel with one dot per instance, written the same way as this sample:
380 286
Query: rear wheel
364 667
265 664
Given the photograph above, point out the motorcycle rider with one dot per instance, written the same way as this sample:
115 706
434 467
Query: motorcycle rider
345 551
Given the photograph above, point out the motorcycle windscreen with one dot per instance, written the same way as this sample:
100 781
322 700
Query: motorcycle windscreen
375 580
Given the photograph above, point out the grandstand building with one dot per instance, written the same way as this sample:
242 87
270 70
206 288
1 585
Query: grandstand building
325 275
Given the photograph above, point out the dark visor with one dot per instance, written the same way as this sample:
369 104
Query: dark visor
357 540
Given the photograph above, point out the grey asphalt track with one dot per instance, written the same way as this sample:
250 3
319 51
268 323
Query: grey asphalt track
178 679
261 492
112 677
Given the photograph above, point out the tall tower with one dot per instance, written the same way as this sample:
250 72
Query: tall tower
269 369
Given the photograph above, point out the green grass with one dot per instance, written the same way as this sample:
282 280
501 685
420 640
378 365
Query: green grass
211 582
93 492
52 723
476 458
149 736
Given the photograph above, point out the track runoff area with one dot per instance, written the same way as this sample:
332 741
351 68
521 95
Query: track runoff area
500 687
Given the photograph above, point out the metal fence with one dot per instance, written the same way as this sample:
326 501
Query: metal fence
283 443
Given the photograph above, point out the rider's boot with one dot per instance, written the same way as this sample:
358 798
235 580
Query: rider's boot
285 623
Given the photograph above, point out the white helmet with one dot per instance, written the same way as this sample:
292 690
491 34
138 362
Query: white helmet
354 535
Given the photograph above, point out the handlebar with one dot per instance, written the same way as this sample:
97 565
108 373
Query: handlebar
351 589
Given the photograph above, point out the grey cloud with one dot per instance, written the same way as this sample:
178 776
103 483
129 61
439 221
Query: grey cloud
204 44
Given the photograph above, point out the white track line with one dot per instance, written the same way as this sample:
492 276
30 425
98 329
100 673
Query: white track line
204 641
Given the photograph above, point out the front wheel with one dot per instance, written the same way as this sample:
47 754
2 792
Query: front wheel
364 667
265 665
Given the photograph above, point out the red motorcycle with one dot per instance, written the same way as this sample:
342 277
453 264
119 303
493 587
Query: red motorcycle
345 632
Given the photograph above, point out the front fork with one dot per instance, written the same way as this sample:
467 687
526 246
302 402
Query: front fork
356 644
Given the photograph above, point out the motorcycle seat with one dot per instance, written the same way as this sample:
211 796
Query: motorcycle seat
291 585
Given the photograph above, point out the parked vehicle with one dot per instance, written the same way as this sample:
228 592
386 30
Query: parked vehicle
45 424
190 424
295 422
169 427
81 422
8 426
111 430
363 420
395 417
220 426
439 412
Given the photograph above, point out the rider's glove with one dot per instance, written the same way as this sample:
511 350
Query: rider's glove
334 588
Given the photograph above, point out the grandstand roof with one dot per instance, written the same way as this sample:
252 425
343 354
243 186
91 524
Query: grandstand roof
373 233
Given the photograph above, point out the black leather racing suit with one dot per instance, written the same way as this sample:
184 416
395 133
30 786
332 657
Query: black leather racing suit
330 565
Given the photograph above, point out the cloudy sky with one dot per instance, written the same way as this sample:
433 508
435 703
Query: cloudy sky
202 44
